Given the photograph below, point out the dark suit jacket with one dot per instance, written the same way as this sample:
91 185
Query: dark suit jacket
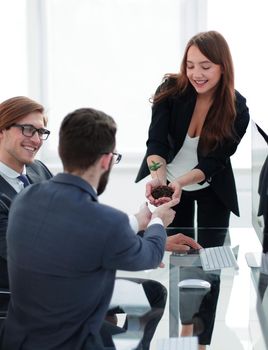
62 265
36 172
171 118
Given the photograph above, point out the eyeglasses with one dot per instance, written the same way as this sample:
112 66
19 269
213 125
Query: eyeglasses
29 130
117 156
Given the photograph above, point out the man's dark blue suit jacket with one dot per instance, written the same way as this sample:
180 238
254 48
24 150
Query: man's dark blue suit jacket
36 172
62 264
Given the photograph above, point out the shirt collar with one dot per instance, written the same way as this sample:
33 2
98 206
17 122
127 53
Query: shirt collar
9 172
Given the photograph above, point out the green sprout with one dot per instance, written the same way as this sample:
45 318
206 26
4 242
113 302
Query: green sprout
155 166
160 190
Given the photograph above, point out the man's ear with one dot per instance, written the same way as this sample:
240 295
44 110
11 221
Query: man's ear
106 160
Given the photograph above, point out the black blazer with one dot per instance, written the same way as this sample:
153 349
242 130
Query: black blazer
171 118
36 172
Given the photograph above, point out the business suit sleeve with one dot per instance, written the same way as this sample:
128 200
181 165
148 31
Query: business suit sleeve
161 131
40 170
158 135
126 251
160 121
216 160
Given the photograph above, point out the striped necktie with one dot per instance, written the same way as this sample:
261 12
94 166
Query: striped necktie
24 179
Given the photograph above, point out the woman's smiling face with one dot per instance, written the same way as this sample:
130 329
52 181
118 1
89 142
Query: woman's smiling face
203 74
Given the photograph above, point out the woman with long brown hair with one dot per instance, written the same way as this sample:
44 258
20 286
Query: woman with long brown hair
198 120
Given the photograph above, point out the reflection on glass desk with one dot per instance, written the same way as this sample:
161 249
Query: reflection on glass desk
228 292
192 302
183 343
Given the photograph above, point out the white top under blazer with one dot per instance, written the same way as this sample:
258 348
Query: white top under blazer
185 161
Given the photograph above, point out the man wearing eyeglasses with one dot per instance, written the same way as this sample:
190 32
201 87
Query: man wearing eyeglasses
22 132
62 282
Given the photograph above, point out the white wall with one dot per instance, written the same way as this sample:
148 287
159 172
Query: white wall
13 57
111 55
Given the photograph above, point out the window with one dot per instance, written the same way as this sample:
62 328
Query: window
13 58
112 54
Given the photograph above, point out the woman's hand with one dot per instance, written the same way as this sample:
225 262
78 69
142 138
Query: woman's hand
177 188
148 192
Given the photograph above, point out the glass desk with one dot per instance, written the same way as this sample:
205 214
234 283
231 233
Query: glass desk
236 324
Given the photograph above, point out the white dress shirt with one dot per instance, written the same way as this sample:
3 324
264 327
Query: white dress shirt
11 175
133 222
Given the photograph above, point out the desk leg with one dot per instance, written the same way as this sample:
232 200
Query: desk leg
174 272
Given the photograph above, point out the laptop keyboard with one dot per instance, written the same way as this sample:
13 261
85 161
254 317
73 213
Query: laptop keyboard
216 258
182 343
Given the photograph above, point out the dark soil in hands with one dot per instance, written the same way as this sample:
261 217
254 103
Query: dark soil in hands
162 191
